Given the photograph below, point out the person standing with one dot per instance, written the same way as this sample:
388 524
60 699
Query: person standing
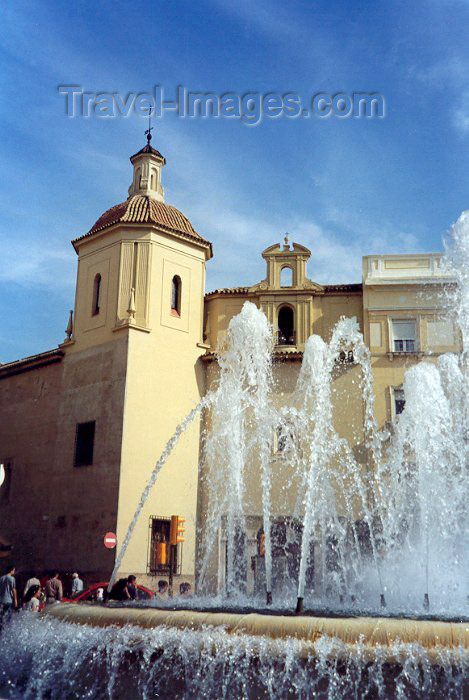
8 596
163 589
185 589
77 584
32 581
132 586
54 590
31 599
120 590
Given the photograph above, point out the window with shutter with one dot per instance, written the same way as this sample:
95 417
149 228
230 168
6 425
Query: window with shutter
404 334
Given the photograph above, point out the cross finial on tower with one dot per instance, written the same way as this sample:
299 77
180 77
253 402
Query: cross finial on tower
150 128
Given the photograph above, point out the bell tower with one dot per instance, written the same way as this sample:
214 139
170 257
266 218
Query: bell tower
140 295
286 295
286 267
148 165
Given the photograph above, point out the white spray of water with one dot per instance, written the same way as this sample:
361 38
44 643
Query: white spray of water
332 470
241 430
387 509
45 658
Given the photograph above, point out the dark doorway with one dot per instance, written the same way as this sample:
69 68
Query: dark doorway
286 326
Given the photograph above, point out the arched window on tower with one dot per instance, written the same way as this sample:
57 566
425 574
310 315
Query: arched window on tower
286 326
176 296
96 295
138 177
286 277
153 179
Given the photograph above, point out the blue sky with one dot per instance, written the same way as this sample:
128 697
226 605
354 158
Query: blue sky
343 187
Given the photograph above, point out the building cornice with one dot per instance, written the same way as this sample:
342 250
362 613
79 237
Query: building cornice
277 356
257 291
160 228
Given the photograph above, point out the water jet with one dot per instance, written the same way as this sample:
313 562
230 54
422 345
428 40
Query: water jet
337 521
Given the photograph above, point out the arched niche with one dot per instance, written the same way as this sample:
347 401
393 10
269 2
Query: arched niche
138 177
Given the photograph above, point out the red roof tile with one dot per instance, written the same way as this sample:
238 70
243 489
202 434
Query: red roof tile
228 290
141 209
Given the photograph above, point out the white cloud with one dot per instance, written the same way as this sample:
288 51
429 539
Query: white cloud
271 18
461 115
338 260
240 237
30 265
450 70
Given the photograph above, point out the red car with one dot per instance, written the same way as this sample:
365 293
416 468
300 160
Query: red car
90 594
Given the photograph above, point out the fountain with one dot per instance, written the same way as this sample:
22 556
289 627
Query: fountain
358 537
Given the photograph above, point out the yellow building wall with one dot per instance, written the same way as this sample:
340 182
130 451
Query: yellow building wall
423 301
314 313
165 381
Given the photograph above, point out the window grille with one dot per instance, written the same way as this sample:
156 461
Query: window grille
158 560
345 357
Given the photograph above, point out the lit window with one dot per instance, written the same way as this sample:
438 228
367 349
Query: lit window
176 296
399 401
286 277
84 443
404 335
96 294
159 551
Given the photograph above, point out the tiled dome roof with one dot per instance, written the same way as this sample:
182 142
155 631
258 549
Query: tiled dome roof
141 209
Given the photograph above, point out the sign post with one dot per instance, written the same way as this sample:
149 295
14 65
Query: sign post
110 540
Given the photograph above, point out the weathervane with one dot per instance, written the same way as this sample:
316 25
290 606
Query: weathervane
150 128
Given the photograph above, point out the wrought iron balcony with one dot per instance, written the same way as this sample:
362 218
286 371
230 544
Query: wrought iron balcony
345 357
283 339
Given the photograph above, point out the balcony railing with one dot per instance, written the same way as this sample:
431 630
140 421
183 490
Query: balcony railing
345 357
283 339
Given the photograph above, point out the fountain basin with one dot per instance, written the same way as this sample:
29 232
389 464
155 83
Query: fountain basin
435 638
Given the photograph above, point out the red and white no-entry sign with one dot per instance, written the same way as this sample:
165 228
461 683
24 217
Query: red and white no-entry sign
110 540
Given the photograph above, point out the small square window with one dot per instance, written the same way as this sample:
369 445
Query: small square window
84 444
